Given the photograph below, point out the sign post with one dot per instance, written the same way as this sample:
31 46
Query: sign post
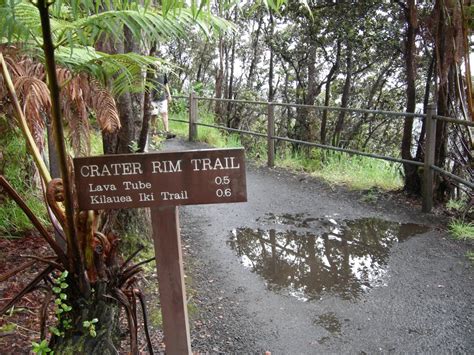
169 265
163 181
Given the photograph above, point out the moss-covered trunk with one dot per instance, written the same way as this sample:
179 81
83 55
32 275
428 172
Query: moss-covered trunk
107 332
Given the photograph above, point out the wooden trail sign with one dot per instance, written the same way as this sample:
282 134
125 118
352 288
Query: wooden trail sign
163 181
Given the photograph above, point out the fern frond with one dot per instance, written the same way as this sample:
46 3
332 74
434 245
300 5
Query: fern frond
19 22
36 103
105 108
144 24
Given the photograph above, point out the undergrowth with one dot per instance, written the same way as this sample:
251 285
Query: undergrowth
470 256
97 147
461 230
209 135
335 167
359 172
17 171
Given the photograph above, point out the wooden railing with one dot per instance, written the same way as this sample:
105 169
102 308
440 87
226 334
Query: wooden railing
430 141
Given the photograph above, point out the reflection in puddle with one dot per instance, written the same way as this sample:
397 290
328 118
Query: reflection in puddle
322 256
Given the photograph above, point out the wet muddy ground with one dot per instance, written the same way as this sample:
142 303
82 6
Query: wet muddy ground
305 268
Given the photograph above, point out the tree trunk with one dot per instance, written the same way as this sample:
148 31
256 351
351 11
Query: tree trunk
421 139
230 92
412 178
143 138
255 45
327 94
377 85
220 79
345 95
107 340
448 46
127 132
270 69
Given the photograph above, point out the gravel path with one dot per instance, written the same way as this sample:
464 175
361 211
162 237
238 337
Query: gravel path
305 268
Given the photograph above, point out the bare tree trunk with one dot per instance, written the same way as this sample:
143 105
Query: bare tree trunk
327 94
143 138
345 95
127 132
421 140
220 79
270 69
255 45
230 93
289 115
379 81
412 178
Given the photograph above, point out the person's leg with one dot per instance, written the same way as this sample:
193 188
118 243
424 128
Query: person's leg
152 127
164 118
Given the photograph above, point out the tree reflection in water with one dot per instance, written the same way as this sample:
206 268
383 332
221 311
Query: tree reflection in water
321 255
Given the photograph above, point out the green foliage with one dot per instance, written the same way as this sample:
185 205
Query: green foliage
7 328
340 168
13 220
461 230
470 256
456 205
470 16
97 146
132 241
90 326
181 129
77 25
41 348
209 135
61 307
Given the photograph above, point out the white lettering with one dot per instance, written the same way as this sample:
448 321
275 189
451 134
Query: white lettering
139 185
183 195
112 169
103 199
166 166
102 187
214 164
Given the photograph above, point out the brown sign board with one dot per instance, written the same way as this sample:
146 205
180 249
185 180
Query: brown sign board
161 179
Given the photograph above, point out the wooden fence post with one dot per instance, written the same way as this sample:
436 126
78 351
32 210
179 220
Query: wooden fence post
193 116
270 134
428 173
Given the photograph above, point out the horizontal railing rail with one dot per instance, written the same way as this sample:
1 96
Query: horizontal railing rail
349 151
431 117
314 107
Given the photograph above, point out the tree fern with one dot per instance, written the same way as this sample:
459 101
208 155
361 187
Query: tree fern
76 26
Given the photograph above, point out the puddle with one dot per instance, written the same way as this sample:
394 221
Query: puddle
298 220
343 258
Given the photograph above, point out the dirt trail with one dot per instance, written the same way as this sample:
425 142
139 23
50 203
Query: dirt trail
303 268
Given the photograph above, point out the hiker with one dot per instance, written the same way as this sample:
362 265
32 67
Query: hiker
161 97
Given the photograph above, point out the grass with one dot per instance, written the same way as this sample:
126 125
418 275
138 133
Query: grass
211 136
13 220
461 230
360 173
470 256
